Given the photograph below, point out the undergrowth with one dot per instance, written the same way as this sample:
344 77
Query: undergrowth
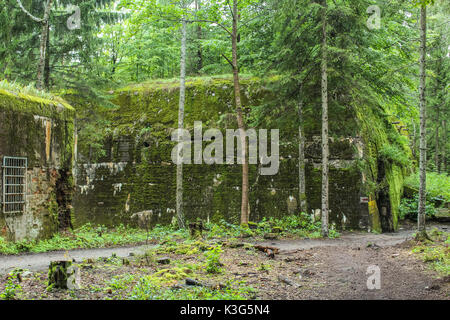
90 236
436 252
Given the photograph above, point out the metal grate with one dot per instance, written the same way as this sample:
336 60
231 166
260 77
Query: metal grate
14 184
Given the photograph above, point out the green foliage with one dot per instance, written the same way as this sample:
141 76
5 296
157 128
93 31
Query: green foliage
409 208
438 185
27 90
213 264
13 289
436 253
148 288
391 153
301 225
87 236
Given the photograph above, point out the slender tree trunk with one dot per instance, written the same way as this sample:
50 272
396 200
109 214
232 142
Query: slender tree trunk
47 61
179 195
414 137
325 150
301 156
240 116
436 147
43 46
444 144
199 37
423 141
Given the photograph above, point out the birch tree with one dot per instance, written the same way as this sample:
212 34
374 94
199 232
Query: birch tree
325 148
179 192
423 118
43 46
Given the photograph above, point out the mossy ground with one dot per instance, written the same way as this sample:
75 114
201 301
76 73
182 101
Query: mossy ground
436 251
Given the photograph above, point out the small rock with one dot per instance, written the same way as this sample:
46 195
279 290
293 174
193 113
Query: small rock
163 260
288 259
433 287
26 274
192 282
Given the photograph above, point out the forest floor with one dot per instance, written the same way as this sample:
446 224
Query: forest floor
236 269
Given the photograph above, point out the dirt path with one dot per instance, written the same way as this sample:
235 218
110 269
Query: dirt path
41 261
338 269
352 239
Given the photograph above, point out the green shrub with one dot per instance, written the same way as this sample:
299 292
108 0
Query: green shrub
13 289
409 207
438 185
213 264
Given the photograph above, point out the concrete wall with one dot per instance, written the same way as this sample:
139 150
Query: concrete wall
42 131
135 172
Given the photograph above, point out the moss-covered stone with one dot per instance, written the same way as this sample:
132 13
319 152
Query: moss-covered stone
138 159
42 131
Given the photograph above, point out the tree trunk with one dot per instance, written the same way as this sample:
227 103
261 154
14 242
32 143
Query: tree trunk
324 124
301 156
423 141
444 144
413 142
47 61
64 275
199 37
436 147
179 195
43 46
240 117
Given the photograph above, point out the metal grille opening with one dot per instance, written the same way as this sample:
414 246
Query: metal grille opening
14 184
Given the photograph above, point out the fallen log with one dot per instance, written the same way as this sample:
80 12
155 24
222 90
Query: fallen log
269 251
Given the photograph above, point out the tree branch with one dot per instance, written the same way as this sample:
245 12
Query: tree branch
211 21
229 61
29 14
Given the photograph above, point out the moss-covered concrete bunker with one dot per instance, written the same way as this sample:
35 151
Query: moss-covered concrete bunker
41 130
136 173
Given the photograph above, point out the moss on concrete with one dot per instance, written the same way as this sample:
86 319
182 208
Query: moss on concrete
139 136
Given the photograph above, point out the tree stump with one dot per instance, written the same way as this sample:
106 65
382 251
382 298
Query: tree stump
64 275
196 229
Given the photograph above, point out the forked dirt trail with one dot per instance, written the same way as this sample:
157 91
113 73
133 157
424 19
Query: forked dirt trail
338 269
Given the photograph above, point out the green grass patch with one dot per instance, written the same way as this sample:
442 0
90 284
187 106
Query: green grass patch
436 253
85 237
